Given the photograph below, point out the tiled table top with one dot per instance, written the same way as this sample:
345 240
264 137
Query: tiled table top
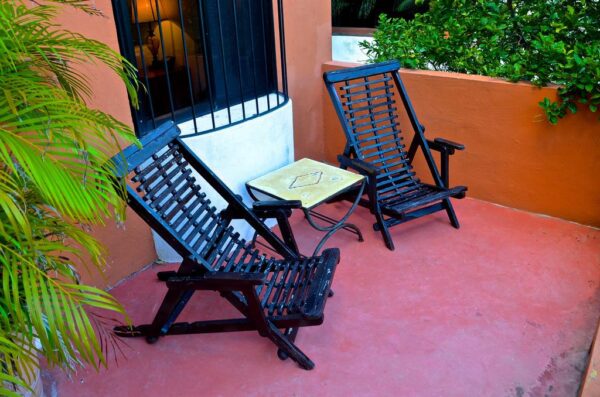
309 181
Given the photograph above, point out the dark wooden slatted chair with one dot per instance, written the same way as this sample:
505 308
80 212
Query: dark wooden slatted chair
271 294
364 100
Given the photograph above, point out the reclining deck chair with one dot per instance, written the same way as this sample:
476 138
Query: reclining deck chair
363 98
271 294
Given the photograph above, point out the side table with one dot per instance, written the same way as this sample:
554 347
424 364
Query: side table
313 183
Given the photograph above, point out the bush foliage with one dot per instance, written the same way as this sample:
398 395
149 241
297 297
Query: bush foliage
540 41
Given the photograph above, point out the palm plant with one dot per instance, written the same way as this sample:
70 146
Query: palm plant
54 179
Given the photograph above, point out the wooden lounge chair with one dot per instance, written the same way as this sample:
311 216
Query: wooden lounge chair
271 294
364 100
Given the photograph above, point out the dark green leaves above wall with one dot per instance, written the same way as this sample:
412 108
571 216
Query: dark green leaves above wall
540 41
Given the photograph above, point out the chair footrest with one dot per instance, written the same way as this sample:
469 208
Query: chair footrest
428 195
321 284
300 287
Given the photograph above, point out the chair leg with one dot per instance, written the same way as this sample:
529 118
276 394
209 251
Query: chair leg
287 346
387 238
451 214
267 329
380 225
171 306
290 333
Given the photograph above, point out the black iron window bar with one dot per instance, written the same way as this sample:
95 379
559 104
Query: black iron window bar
215 63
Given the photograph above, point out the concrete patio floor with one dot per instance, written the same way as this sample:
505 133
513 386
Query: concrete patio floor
505 306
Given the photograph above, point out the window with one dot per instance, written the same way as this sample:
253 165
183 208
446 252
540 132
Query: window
212 58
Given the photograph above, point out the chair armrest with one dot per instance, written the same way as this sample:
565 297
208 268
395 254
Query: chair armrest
439 143
217 281
273 205
446 148
361 166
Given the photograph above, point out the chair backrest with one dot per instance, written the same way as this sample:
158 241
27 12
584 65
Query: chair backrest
165 191
365 101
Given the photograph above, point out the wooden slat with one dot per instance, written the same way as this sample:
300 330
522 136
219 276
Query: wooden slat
279 287
140 173
375 132
349 86
371 89
150 194
378 99
205 234
382 144
369 107
373 123
369 115
163 176
188 213
380 156
181 202
195 237
226 244
382 137
405 169
233 259
197 222
395 179
289 288
395 186
171 195
161 169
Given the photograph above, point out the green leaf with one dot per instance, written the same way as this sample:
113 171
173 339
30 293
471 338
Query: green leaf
54 176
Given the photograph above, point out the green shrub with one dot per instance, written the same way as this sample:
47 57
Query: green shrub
540 41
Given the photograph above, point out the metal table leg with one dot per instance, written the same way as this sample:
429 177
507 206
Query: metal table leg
335 225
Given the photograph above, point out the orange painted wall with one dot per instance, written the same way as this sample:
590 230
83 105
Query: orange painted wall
129 247
513 156
308 46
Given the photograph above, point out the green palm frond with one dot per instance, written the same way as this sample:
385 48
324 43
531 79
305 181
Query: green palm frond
54 152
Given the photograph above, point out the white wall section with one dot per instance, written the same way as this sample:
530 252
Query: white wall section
346 48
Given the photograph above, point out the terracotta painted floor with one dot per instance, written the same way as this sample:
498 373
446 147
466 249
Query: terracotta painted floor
505 306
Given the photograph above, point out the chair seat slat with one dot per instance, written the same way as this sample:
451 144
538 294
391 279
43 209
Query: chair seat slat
234 257
223 250
288 289
279 287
